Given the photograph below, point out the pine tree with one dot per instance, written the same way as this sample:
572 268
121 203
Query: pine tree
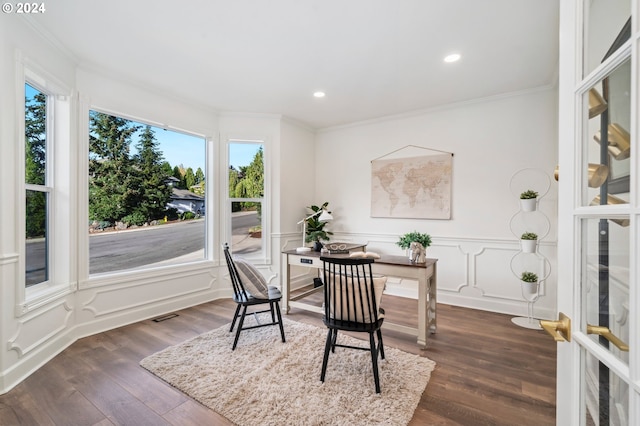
251 184
167 169
199 176
189 178
153 191
177 173
112 184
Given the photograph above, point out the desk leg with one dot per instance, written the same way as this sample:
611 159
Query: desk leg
285 284
433 301
423 309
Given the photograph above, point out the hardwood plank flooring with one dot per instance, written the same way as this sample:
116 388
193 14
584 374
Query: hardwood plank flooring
489 372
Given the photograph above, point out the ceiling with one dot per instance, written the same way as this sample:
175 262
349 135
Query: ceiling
373 58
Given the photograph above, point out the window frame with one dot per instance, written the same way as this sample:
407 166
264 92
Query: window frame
58 138
264 255
88 280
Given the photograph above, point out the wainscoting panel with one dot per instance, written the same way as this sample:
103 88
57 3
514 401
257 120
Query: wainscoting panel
102 307
473 273
37 329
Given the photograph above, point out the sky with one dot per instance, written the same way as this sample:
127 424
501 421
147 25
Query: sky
183 149
179 148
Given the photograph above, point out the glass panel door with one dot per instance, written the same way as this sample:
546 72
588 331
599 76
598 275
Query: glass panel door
598 373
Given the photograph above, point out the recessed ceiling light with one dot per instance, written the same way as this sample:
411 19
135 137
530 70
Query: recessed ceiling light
452 58
319 94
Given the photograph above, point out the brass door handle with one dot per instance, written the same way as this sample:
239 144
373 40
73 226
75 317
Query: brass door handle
560 330
607 334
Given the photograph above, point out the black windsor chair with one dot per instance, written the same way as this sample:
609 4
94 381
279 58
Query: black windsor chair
250 289
351 303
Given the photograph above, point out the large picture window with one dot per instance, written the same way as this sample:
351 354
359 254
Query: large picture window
146 195
246 196
37 187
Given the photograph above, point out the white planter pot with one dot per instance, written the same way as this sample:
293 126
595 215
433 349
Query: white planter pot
529 246
529 204
529 288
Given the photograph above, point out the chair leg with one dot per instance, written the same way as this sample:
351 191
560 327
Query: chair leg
235 342
374 361
380 344
334 339
273 317
325 358
235 317
279 315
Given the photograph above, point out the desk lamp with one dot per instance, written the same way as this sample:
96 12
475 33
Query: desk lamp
325 216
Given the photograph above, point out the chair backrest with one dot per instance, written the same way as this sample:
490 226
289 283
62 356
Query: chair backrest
351 293
238 289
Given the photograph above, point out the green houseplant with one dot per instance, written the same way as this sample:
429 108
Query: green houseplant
529 283
315 228
529 277
529 242
406 239
528 194
528 200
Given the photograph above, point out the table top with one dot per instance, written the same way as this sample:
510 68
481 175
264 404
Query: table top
384 258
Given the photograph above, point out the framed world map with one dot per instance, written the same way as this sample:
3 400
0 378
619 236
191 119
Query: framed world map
416 187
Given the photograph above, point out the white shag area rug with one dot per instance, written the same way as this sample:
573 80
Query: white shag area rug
267 382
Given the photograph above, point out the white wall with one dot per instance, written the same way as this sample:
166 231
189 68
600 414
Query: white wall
491 140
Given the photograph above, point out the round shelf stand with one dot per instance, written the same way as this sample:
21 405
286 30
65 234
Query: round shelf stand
520 181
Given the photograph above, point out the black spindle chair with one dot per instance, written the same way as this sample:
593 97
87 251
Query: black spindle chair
244 298
351 303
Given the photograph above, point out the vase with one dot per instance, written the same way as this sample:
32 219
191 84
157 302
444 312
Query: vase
317 246
529 246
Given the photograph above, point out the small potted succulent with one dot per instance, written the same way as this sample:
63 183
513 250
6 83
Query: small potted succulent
528 200
529 282
414 237
529 242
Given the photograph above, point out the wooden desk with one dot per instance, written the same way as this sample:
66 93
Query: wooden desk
395 266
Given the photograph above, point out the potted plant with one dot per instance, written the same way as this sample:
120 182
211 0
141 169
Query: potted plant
315 228
529 282
528 200
529 242
415 236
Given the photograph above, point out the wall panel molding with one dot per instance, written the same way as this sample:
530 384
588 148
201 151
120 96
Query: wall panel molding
472 272
29 336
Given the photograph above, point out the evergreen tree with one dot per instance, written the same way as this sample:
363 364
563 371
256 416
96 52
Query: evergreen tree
177 173
234 178
199 176
153 191
167 169
251 184
35 160
112 184
189 178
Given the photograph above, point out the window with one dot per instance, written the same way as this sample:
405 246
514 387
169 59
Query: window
37 187
246 196
146 195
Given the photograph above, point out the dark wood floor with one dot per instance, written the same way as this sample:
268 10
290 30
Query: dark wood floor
489 372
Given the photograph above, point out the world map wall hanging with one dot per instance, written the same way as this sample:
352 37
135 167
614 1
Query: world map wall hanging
416 187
